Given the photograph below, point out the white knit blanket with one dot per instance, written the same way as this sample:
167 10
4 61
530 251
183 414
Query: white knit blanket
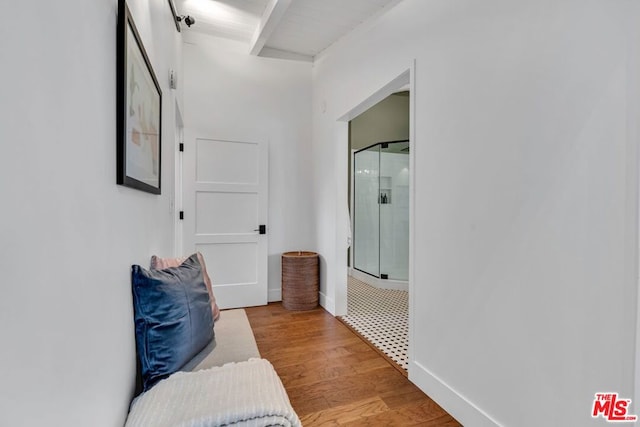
237 394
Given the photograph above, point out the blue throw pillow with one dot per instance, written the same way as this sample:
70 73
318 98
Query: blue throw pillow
172 316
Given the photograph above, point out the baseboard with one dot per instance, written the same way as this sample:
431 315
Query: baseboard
274 295
451 401
327 303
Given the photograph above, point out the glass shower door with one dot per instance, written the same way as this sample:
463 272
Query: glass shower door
394 211
366 232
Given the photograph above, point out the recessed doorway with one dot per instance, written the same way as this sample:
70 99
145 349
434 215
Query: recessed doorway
379 132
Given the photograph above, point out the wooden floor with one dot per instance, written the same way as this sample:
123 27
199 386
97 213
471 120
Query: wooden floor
333 377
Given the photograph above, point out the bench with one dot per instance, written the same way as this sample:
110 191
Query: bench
200 366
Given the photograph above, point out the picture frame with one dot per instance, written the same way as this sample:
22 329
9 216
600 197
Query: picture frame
172 6
139 110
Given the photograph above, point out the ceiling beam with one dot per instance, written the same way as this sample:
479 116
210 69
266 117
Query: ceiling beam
270 19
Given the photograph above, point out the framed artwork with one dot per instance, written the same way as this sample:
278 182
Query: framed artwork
174 14
139 103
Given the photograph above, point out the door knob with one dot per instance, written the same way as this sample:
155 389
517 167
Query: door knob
262 229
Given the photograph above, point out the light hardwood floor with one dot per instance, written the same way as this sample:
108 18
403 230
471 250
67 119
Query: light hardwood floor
333 377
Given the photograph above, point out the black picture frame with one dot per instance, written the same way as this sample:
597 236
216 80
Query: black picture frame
139 110
172 6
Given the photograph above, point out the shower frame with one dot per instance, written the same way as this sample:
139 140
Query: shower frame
381 280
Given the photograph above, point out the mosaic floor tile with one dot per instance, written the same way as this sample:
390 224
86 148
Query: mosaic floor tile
382 317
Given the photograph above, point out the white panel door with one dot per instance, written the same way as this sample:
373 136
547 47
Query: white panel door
225 202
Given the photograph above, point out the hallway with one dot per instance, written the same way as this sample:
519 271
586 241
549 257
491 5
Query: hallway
333 377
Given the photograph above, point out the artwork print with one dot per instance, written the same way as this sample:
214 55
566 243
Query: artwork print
140 113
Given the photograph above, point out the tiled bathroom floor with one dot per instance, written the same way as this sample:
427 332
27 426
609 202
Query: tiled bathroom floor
382 317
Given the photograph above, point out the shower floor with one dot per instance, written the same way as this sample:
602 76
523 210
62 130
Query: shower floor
381 316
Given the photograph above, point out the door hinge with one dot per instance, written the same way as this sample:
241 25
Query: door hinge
181 215
181 147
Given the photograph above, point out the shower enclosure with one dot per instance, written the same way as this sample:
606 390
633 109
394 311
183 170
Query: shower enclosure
381 211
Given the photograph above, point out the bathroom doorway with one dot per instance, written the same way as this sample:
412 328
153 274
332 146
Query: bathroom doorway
379 203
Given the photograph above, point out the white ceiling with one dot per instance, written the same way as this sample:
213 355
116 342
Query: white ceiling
293 28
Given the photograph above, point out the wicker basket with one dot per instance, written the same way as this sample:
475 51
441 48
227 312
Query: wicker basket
300 280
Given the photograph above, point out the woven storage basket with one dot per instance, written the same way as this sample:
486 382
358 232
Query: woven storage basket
300 280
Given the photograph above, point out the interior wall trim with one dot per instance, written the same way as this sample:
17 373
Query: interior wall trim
327 303
451 401
275 295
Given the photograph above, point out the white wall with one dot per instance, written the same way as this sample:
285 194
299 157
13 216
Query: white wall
524 298
68 233
230 94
